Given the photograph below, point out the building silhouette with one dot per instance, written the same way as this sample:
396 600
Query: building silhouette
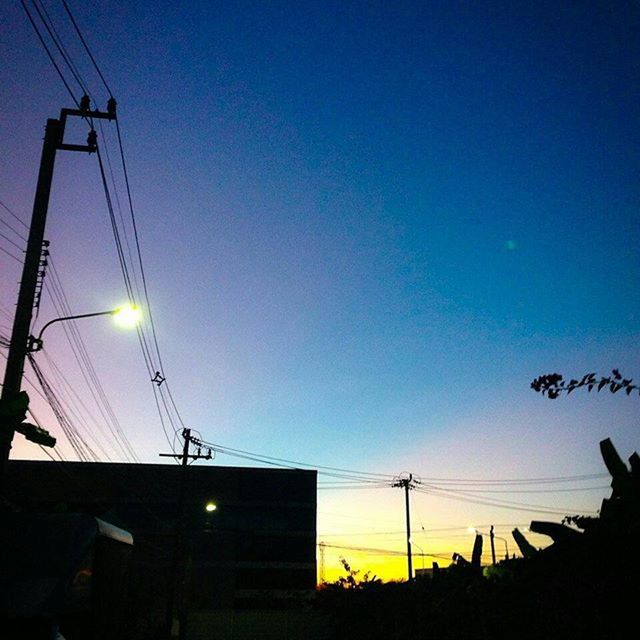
256 550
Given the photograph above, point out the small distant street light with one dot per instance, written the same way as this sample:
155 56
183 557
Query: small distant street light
127 316
210 507
491 536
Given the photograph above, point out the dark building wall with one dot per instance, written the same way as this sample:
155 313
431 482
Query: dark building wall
259 543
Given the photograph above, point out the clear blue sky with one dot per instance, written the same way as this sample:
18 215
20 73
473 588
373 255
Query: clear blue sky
366 228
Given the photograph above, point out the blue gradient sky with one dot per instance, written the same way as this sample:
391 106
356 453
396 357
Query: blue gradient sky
366 228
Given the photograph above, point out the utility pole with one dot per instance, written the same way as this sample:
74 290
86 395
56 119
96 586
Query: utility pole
18 347
493 545
321 547
407 483
175 609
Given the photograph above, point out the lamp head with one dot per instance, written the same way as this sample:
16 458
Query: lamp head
127 316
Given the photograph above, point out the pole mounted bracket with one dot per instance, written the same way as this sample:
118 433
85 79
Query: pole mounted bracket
34 344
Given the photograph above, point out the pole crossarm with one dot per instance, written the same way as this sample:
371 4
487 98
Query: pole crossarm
88 113
191 456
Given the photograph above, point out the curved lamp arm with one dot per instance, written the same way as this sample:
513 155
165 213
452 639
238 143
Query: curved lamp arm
35 344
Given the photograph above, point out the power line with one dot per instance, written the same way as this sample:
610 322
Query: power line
60 302
48 52
368 476
378 477
353 486
507 481
10 241
515 506
73 401
6 208
495 501
129 274
123 263
385 552
48 23
81 447
10 255
275 462
520 491
154 337
426 531
6 224
425 489
57 41
86 47
132 298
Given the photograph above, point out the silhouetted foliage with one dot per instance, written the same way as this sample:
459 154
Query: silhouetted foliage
351 581
553 384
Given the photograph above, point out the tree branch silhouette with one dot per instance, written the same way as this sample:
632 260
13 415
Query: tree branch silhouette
553 384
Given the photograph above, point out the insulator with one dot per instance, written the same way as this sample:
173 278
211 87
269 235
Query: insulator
111 106
85 103
92 138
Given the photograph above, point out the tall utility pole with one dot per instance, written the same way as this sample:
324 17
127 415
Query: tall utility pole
175 608
407 483
18 347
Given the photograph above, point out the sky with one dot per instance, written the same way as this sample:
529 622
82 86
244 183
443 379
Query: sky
366 227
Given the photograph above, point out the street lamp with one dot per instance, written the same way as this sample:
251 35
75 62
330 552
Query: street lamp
126 316
15 403
491 536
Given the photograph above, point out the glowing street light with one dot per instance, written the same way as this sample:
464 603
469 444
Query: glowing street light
126 316
210 507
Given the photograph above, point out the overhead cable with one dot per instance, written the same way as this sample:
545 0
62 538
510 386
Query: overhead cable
12 213
86 46
49 54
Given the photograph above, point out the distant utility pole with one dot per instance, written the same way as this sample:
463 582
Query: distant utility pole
175 608
493 545
407 483
18 348
321 547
